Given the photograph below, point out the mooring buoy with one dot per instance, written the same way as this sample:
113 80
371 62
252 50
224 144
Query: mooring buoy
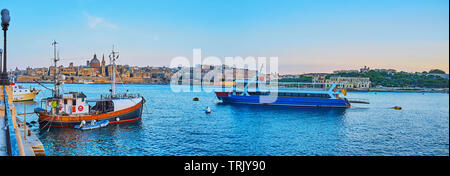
397 107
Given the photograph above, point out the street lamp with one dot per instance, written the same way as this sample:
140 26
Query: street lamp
1 52
5 25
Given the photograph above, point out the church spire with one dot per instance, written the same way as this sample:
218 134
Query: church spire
103 59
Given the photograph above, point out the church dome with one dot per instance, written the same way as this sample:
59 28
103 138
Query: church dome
94 62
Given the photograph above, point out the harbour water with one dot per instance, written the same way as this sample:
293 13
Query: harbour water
173 124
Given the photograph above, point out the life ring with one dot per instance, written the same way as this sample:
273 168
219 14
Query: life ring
80 108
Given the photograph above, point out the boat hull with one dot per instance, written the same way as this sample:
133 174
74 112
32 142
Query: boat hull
25 97
126 115
283 101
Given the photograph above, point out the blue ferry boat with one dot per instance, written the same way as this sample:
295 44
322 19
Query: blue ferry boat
327 95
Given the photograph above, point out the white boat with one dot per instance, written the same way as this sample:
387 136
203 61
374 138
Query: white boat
92 125
23 94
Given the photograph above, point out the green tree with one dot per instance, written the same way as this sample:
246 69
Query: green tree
437 71
399 79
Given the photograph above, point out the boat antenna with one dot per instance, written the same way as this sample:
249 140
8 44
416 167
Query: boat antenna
55 59
113 57
260 69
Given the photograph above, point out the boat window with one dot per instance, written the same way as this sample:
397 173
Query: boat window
74 102
65 101
286 94
103 107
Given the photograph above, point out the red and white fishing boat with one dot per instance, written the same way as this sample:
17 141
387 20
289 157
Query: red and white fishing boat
72 108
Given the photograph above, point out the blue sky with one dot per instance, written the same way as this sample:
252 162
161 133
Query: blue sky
306 35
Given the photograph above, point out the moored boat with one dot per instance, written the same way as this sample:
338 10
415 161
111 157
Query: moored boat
23 94
327 95
73 108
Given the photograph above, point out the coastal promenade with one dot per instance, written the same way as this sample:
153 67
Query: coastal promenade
3 142
15 138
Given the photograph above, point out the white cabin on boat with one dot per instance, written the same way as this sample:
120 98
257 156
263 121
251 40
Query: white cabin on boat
71 103
17 89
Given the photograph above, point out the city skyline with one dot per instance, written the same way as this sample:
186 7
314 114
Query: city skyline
306 36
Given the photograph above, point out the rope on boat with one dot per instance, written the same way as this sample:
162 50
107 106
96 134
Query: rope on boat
121 83
42 85
146 109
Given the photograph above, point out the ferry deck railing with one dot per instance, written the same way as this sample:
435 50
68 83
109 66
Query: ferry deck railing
288 86
121 95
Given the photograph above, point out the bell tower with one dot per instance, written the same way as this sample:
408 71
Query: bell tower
103 65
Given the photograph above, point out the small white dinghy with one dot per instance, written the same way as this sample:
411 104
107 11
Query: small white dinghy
93 125
207 110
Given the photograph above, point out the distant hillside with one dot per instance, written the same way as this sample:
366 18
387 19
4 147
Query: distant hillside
400 79
301 78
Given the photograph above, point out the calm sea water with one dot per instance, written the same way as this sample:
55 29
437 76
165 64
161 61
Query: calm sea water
173 124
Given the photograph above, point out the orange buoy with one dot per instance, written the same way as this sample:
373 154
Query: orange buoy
397 107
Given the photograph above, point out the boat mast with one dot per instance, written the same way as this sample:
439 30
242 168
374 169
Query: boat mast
113 58
55 59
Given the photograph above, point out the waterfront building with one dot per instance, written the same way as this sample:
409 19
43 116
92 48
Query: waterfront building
289 76
346 71
350 82
93 68
318 78
69 71
365 69
98 72
388 71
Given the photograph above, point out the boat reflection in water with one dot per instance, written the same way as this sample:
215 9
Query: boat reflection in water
107 141
286 110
